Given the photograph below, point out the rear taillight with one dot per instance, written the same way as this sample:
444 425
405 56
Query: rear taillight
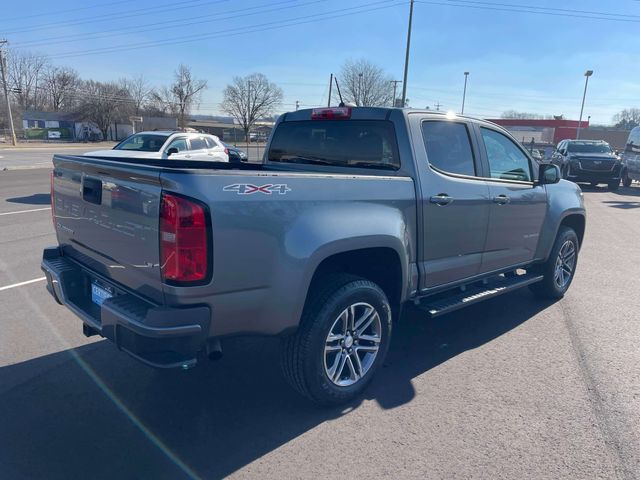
53 203
226 150
331 113
184 245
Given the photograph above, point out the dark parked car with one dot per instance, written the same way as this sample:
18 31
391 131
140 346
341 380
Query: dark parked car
592 161
235 154
631 158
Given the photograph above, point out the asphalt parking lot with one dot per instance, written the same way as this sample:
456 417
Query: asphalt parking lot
511 388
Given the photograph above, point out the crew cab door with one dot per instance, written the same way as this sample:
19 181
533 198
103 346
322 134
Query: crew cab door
518 206
455 201
198 149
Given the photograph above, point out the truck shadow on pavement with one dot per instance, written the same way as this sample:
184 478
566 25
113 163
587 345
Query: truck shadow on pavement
34 199
92 412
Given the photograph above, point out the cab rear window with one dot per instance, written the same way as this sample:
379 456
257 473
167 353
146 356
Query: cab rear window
340 143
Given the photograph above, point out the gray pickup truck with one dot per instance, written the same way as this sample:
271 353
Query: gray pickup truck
353 213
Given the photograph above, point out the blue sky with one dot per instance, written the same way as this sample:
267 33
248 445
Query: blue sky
522 61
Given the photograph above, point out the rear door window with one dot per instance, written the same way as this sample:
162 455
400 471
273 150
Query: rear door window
197 143
341 143
448 147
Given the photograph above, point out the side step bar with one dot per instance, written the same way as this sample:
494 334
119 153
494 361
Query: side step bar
477 294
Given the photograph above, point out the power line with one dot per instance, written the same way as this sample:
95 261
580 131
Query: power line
238 30
112 16
525 9
60 12
174 23
533 7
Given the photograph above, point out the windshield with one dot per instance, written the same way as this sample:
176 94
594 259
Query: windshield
588 147
143 142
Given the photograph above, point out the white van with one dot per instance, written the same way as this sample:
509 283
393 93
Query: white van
631 158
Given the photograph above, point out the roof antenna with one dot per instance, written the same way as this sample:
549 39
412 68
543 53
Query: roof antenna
339 94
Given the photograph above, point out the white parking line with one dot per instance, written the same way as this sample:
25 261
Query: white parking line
7 287
25 211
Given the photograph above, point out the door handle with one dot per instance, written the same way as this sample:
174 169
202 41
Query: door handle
501 199
441 199
187 156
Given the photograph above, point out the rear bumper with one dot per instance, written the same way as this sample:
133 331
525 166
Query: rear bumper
158 336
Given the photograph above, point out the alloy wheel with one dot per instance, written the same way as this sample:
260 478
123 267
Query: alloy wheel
565 264
352 344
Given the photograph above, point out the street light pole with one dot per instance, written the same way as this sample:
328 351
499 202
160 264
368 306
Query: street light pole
464 92
406 58
587 74
359 101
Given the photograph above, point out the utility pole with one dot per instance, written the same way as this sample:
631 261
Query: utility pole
359 101
438 105
330 89
395 86
587 74
464 92
297 105
6 92
406 58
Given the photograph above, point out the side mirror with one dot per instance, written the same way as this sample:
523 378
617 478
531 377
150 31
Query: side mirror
548 174
171 151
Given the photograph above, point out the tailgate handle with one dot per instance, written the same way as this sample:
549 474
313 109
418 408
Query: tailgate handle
92 190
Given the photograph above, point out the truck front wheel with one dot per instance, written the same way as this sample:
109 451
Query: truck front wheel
560 267
342 340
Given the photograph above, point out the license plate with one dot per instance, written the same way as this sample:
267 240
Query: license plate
99 294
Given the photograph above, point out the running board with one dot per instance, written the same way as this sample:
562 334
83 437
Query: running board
477 294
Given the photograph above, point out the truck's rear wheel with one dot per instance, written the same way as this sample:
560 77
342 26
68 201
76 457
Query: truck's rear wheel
343 338
614 185
560 267
626 181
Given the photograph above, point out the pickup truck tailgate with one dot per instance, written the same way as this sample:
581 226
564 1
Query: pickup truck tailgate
106 218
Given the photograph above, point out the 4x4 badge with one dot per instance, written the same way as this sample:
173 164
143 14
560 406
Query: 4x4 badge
248 189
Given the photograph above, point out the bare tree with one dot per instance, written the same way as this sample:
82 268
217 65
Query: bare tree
627 118
160 103
104 103
183 93
139 91
365 84
25 73
60 85
249 98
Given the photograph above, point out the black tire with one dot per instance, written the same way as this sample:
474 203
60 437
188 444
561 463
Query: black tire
303 353
614 185
626 181
548 288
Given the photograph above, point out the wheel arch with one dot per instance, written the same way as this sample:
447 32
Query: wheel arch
577 223
381 265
